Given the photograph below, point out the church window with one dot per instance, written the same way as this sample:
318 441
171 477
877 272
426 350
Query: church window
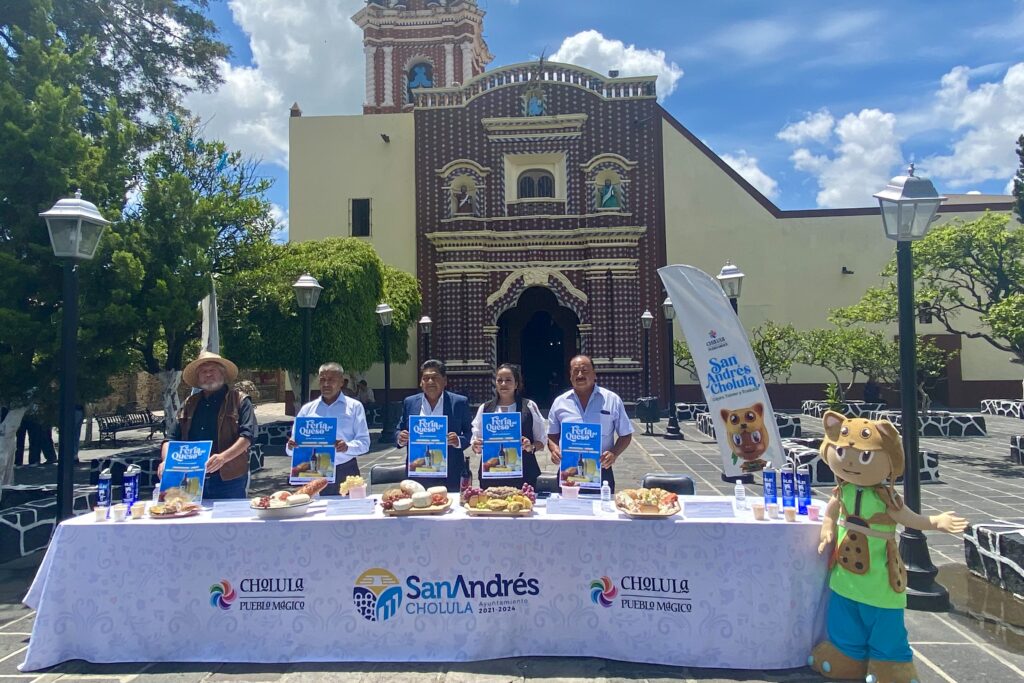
359 217
536 183
420 75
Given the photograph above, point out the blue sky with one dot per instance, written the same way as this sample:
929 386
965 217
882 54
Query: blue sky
816 103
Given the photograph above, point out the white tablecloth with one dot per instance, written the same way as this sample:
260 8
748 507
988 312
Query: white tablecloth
709 593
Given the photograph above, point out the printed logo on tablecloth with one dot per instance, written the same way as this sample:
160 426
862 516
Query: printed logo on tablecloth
272 594
379 595
222 594
603 591
646 593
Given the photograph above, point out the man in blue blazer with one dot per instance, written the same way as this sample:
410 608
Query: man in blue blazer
436 401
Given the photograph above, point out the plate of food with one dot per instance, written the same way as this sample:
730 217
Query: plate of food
287 504
499 501
647 503
176 509
411 499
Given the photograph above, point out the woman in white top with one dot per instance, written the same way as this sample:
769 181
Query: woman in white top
507 383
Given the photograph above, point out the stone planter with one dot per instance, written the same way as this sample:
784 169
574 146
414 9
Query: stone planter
938 422
1004 407
789 425
27 527
688 412
995 552
806 452
817 408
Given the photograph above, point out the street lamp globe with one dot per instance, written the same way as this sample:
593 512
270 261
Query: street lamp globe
425 324
384 312
731 279
666 307
647 319
75 227
908 205
307 291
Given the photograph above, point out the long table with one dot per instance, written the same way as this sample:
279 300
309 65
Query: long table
729 593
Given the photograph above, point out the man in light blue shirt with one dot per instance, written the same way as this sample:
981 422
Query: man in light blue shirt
353 436
587 402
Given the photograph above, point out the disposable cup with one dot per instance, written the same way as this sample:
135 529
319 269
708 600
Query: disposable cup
570 492
119 511
758 509
101 513
357 492
138 510
773 510
790 514
813 513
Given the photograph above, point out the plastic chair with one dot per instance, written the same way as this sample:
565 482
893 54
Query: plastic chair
679 484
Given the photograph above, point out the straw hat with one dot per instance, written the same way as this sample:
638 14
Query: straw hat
191 372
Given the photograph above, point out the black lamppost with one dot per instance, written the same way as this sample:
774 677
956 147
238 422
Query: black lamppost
307 293
425 325
672 431
908 206
731 279
646 320
75 227
387 431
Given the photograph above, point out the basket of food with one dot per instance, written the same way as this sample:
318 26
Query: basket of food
499 501
287 504
411 499
648 503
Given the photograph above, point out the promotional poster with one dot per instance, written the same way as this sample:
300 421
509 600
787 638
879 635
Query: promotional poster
428 448
313 457
580 443
503 445
185 469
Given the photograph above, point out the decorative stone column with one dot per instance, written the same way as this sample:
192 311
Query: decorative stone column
371 76
449 64
467 62
388 77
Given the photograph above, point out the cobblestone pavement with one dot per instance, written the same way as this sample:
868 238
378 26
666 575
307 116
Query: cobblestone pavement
982 638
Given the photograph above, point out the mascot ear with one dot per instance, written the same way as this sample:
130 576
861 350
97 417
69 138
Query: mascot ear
759 408
832 421
725 415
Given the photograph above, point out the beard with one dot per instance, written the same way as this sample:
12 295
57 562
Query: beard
212 386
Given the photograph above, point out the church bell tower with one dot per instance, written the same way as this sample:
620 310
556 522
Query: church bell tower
412 44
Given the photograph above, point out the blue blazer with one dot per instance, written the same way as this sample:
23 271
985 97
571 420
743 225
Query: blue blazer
456 408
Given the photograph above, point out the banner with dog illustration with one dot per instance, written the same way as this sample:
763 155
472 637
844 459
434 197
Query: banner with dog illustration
730 377
428 448
503 445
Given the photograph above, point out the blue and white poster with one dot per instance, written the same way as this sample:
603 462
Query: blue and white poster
503 445
580 443
185 469
313 457
428 447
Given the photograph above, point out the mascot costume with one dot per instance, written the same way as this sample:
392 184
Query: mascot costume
867 639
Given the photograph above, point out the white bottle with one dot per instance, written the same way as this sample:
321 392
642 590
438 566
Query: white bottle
741 496
606 497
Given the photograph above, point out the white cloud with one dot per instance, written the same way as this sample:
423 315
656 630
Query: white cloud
816 126
844 25
280 216
756 39
305 51
988 120
593 51
747 166
858 164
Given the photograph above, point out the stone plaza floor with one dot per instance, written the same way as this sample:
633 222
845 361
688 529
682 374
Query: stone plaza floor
980 639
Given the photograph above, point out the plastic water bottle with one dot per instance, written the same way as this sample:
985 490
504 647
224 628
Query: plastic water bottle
606 497
156 494
741 496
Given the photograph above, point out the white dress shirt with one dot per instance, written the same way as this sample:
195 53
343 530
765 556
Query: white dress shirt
352 427
540 425
427 411
604 408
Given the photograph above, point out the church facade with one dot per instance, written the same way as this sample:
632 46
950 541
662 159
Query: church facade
534 202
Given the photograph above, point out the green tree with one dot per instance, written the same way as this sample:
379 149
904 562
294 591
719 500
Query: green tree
776 348
201 214
825 348
684 359
1018 181
262 324
968 275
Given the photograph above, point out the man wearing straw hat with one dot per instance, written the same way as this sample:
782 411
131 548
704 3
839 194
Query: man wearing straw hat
223 415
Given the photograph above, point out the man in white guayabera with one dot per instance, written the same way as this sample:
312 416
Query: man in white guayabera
587 402
352 437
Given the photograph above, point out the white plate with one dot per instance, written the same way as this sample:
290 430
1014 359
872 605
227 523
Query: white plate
282 513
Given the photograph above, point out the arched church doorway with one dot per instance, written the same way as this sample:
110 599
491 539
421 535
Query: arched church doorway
541 336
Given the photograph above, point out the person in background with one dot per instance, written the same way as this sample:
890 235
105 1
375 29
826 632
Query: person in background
221 414
587 402
435 400
872 392
508 383
347 390
352 437
364 394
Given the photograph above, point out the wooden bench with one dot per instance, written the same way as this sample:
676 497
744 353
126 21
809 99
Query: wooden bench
110 425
